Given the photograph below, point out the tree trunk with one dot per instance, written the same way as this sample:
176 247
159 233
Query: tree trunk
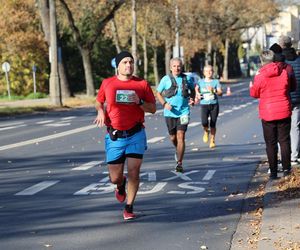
134 36
87 65
225 69
115 35
145 56
64 83
168 52
45 20
155 66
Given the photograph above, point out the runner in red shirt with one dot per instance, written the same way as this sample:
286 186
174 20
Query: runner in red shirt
127 98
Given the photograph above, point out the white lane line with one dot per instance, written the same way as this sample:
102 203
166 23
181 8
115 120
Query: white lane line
44 122
37 188
46 138
88 165
68 118
58 124
11 124
156 139
227 111
209 175
12 127
194 124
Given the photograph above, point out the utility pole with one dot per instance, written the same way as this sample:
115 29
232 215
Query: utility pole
177 44
133 35
55 91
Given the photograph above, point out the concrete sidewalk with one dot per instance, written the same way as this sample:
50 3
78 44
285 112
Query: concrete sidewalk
26 103
280 227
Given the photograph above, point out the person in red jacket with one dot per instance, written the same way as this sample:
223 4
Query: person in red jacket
272 86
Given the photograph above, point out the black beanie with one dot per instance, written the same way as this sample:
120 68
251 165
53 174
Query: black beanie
276 48
121 56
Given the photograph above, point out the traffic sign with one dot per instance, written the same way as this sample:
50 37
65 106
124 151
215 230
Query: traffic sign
6 67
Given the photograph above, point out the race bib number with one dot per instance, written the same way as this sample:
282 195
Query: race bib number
209 96
184 120
125 96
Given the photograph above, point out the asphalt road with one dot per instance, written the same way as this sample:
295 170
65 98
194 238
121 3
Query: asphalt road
55 191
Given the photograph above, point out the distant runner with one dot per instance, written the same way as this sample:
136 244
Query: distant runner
176 92
207 91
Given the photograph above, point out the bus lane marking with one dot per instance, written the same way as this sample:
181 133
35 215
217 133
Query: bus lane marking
209 175
157 188
37 188
183 176
189 185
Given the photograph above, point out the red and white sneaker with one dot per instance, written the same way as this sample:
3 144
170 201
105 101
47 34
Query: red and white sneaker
128 214
120 192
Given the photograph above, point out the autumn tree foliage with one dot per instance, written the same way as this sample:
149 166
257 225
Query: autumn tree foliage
22 45
89 27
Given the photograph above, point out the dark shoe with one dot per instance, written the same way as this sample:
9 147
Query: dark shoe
128 213
286 172
273 176
120 191
179 168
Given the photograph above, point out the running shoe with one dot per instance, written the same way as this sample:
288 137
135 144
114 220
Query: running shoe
128 213
212 144
293 163
273 176
179 168
120 191
286 172
205 137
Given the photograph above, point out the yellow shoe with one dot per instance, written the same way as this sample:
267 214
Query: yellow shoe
205 137
212 144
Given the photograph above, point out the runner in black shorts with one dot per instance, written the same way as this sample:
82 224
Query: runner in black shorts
176 92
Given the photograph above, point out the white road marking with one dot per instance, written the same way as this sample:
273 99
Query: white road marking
105 179
58 124
158 187
96 188
181 175
194 124
44 122
37 188
11 124
68 118
88 165
228 111
209 175
46 138
156 139
12 127
151 175
188 185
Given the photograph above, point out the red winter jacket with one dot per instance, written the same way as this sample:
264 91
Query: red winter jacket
271 86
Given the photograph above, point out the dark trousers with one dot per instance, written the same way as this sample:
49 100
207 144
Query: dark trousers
278 131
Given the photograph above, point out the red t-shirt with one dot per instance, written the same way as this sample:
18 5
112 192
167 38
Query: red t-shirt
123 116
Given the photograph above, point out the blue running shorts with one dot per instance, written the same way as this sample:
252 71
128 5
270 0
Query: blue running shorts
135 144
